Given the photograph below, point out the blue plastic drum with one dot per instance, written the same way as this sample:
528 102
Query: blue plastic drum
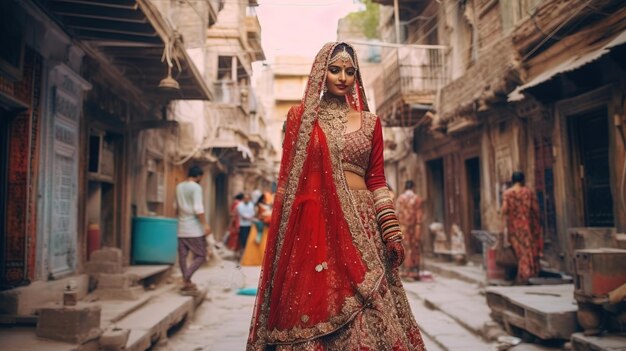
154 240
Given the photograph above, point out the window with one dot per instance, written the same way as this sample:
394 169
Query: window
225 67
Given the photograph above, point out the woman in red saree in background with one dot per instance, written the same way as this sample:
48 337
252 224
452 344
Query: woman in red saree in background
330 273
409 206
521 212
233 229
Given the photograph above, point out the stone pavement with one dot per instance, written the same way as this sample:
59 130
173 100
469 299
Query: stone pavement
451 311
221 323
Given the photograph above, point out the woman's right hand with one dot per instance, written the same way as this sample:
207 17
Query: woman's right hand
395 253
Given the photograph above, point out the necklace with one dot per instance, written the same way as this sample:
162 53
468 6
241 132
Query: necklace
332 107
333 118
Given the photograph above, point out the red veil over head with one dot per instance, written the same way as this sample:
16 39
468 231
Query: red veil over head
319 270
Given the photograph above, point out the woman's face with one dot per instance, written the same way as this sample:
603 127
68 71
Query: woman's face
340 77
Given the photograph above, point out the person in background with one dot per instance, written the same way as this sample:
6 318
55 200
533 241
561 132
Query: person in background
257 240
246 213
192 226
520 212
409 206
232 243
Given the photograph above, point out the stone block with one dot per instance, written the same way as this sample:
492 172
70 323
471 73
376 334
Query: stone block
107 254
114 339
97 267
76 324
115 281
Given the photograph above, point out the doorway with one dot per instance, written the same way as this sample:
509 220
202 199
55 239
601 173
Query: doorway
436 190
4 165
472 176
589 135
221 205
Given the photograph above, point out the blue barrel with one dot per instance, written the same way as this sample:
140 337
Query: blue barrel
154 240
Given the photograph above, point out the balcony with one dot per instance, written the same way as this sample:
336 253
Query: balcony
408 83
253 34
230 144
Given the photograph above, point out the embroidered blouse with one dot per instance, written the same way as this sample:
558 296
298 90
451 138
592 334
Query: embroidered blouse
363 152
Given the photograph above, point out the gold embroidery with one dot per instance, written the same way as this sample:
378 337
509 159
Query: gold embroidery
358 146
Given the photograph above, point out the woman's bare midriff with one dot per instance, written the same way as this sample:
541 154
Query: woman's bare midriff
355 181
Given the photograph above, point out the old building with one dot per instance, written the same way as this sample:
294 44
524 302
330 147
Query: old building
281 83
227 135
79 88
526 86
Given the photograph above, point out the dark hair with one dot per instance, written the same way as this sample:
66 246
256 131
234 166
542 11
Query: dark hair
340 47
409 184
518 177
261 200
195 171
239 196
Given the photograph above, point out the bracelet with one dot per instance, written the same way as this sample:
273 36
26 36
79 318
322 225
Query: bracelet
386 216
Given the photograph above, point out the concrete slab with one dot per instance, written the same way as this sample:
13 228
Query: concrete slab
461 301
444 331
143 272
547 311
580 342
24 301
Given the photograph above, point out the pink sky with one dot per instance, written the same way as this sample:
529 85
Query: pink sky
300 27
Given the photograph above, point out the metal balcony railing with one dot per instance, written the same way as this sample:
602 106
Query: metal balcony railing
413 72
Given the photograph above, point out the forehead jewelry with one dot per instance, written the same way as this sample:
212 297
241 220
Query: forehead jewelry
344 56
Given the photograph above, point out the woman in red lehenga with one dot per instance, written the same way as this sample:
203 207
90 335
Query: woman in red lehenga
330 273
232 242
521 210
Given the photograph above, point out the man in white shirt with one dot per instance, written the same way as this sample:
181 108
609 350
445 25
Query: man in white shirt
192 225
245 209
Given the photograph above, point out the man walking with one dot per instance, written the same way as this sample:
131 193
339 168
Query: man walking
192 226
245 209
409 206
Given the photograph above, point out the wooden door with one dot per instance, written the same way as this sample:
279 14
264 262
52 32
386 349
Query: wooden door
591 152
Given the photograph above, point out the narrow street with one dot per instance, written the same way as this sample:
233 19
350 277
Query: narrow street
222 321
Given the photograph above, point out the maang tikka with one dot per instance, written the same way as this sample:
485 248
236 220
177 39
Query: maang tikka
344 56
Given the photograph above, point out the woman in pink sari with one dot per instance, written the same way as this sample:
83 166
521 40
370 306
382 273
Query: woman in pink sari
329 278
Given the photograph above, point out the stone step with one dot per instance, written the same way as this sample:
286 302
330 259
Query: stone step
115 310
444 331
149 324
149 274
460 301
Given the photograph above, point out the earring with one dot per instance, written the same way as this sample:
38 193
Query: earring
325 89
355 97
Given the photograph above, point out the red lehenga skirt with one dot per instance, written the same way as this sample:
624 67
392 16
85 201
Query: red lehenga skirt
387 323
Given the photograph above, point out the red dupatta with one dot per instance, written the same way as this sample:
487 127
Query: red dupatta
319 269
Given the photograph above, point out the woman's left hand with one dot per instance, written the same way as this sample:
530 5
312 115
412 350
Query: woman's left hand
395 253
